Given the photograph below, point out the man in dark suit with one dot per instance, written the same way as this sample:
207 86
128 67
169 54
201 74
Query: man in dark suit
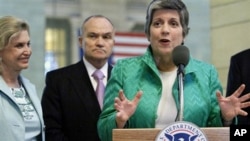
70 106
239 73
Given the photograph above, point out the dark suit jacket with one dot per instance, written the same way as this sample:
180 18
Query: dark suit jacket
70 106
239 73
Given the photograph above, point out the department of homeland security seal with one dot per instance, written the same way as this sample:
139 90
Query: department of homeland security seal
181 131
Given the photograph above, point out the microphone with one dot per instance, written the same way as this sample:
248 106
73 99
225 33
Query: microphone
180 58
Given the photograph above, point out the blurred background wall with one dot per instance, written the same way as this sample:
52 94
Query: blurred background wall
230 32
218 29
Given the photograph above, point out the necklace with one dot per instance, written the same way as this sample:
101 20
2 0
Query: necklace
18 92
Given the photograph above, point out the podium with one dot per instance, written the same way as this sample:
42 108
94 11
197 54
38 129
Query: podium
150 134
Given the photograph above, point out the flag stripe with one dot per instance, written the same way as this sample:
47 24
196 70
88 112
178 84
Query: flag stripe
129 45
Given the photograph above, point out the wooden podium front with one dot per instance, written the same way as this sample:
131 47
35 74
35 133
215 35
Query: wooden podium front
150 134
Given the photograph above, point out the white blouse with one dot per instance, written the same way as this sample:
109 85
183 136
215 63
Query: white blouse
167 110
31 119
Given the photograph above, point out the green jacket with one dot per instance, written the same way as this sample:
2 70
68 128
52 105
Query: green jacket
140 73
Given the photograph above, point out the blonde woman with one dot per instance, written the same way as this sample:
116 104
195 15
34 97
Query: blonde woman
20 109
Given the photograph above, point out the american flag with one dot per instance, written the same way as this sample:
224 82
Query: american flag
129 44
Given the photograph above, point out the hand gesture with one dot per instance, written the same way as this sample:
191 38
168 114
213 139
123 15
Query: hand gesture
232 105
125 108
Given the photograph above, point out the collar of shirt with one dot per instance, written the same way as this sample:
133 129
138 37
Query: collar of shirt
90 68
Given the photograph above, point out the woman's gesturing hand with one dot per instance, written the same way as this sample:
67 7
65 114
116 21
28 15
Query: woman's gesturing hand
125 108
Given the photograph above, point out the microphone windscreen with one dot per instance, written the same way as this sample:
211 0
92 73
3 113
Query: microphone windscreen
180 55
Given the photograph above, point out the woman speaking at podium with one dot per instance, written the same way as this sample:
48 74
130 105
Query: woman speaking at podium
143 91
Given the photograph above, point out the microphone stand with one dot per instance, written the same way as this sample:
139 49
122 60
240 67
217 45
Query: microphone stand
180 75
